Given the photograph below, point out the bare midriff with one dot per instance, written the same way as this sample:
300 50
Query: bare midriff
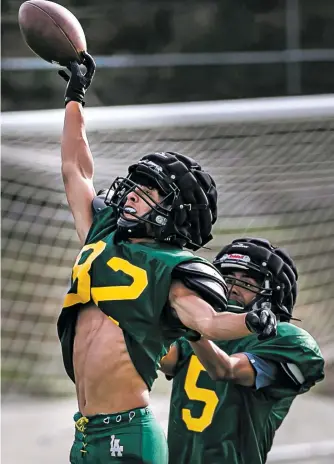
105 377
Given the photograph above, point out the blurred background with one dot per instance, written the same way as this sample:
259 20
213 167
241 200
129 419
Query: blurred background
243 86
168 51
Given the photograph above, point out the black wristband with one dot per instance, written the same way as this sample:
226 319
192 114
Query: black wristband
78 100
249 327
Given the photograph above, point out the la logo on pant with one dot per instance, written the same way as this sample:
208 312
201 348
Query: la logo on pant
115 446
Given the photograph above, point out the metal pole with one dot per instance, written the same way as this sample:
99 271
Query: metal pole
292 25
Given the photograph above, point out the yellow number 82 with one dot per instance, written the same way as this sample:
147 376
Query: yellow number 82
85 292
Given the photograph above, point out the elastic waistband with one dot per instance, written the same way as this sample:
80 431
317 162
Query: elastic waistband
81 422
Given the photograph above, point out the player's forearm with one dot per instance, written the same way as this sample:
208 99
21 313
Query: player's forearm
225 326
198 315
75 151
217 363
221 366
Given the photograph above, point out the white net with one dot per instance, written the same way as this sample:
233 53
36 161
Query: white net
273 161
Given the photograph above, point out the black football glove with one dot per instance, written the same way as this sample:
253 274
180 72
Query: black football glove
262 321
77 82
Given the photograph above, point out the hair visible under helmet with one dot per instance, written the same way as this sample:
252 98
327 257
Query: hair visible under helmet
188 207
271 267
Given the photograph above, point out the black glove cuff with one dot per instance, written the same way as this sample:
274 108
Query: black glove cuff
249 326
68 99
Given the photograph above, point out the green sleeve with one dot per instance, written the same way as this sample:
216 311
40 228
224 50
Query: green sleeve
295 346
104 223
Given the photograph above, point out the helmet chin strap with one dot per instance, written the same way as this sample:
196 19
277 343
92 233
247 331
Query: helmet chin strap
127 229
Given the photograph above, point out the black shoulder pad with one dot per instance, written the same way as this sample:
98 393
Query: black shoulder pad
98 202
205 280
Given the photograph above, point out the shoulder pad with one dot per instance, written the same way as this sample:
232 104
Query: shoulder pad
205 280
98 202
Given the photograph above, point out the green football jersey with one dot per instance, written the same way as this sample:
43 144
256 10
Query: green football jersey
130 283
213 422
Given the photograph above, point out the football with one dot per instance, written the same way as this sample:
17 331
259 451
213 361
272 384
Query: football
51 31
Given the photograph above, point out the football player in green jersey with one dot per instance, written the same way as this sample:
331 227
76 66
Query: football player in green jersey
134 288
229 398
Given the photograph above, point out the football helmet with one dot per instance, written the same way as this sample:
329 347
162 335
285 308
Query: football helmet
272 268
187 208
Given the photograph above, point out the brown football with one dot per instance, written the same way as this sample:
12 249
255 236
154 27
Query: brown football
51 31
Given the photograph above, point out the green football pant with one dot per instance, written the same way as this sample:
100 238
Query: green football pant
129 437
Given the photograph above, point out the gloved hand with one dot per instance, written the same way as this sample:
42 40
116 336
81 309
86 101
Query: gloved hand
262 321
77 82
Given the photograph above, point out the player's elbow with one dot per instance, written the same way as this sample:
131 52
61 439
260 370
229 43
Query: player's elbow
72 171
69 169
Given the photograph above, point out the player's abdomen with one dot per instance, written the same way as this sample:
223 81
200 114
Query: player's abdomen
106 379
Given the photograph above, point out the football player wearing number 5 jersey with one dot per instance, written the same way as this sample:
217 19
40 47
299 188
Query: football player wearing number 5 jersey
134 287
229 397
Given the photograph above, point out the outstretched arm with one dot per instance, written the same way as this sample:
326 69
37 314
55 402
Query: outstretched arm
77 160
196 314
77 169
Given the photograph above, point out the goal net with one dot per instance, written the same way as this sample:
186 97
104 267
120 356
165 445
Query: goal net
272 159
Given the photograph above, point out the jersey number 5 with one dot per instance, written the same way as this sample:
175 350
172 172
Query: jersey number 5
208 397
122 292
